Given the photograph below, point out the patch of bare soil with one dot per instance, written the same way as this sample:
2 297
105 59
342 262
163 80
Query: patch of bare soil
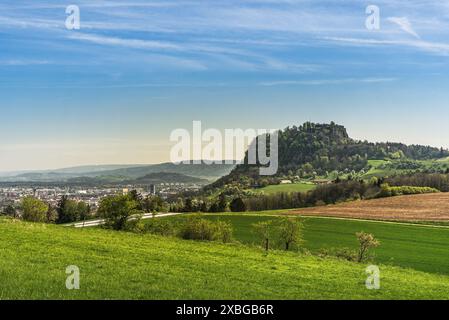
423 207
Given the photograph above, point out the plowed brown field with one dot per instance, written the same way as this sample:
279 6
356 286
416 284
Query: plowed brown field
423 207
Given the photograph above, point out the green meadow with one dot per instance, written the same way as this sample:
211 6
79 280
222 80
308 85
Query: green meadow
379 168
424 248
293 187
119 265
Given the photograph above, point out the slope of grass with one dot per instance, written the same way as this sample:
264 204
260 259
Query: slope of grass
294 187
377 171
414 246
118 265
379 168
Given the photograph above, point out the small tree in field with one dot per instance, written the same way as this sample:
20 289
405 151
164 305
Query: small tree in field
116 210
366 241
290 231
265 231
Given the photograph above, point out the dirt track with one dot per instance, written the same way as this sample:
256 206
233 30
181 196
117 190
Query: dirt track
424 207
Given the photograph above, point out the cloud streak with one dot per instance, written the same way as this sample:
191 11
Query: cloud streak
437 48
23 62
320 82
129 43
404 24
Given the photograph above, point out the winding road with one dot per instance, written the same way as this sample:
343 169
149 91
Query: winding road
93 223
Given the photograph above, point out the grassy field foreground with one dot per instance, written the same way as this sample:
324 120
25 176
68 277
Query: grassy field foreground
419 247
117 265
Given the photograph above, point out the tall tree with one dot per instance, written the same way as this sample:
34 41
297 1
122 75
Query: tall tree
265 231
238 205
290 229
11 211
68 211
222 203
116 210
52 214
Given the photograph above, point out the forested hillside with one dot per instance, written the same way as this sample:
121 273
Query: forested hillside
312 150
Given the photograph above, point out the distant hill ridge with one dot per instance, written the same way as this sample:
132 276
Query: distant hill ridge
152 178
166 177
115 173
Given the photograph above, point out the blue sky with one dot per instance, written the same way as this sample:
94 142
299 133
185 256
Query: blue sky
113 91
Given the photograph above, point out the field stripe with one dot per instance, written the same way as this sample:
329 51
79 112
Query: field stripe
376 221
329 217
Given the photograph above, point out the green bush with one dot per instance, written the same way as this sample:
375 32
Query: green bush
387 191
345 253
10 211
135 225
366 242
340 253
162 227
197 228
223 231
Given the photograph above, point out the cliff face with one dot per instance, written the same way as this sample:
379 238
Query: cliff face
297 146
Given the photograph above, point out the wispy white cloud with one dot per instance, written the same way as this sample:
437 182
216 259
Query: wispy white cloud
319 82
129 43
25 22
101 4
438 48
205 54
23 62
404 24
243 35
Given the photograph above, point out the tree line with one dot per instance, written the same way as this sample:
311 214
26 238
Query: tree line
432 180
68 210
347 190
35 210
